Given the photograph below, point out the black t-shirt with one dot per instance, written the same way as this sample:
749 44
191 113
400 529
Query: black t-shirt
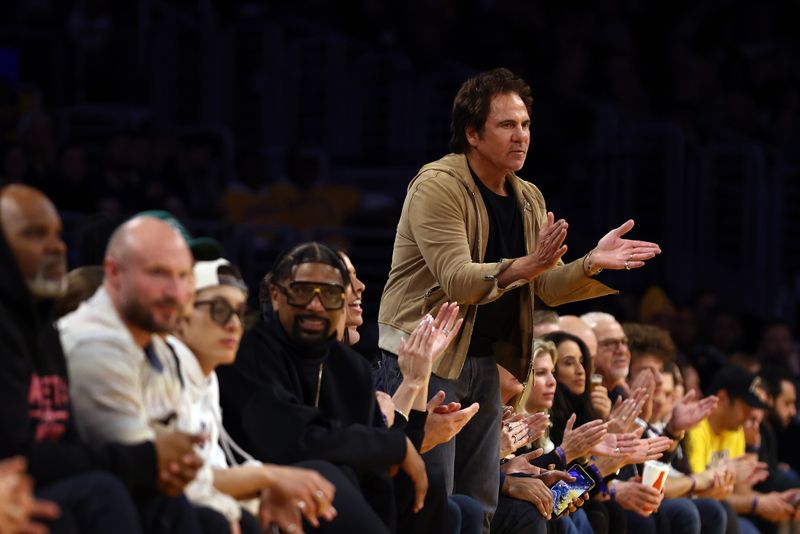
498 318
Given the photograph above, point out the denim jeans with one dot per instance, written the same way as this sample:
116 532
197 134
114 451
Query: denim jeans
713 517
517 517
469 461
576 523
681 514
94 502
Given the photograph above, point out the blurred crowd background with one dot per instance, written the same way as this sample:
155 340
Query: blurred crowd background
264 123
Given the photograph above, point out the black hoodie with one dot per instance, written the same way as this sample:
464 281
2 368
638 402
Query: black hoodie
268 399
36 419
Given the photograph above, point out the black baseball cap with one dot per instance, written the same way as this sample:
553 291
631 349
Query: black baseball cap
740 384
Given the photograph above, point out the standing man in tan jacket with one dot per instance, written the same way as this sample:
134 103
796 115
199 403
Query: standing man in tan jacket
471 231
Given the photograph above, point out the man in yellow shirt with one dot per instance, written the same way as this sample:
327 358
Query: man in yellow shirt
721 435
720 438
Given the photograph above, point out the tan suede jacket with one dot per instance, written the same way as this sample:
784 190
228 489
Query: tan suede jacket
438 256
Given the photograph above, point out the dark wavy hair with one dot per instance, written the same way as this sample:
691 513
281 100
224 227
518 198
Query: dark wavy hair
472 103
566 402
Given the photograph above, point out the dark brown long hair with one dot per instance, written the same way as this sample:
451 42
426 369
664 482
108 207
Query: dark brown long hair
472 103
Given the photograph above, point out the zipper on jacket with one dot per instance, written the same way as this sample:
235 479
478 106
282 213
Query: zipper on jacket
429 292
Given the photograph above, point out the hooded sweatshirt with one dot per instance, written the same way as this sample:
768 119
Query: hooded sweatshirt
36 417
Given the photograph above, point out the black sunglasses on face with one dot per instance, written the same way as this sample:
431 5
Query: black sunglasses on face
302 293
221 312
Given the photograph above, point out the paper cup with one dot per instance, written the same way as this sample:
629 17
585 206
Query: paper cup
655 474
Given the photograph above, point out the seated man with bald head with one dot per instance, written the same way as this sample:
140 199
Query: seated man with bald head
125 381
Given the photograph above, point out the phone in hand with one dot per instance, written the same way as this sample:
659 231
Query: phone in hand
566 492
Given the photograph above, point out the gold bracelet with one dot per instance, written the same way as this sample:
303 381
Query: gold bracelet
589 271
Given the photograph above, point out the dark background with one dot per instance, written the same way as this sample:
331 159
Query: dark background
267 123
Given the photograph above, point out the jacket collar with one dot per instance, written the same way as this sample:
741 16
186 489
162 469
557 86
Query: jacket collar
457 166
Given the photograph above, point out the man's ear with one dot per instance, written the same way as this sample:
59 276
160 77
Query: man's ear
473 135
111 270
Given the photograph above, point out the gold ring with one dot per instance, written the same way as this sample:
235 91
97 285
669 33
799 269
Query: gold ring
627 267
319 494
301 505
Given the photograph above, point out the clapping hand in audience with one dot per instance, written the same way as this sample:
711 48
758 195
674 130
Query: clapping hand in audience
18 506
646 380
536 423
427 343
617 445
633 451
688 412
293 494
747 469
715 482
445 421
649 449
623 415
512 437
579 442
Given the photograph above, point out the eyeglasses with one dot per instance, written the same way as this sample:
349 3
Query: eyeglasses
302 293
613 343
221 312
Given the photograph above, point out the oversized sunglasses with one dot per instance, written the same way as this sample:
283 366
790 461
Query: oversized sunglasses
221 312
302 293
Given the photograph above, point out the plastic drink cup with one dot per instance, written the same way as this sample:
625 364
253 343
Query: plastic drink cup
595 380
655 474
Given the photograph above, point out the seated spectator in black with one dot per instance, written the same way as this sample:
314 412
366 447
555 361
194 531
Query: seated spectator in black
296 394
36 411
781 396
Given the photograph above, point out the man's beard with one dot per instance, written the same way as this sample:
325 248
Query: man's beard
45 287
142 317
618 373
302 337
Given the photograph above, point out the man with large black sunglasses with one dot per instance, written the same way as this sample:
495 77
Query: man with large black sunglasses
295 393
